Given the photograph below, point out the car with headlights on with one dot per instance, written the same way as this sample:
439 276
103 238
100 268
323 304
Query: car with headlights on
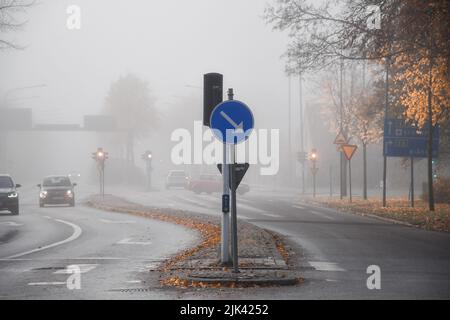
56 190
9 198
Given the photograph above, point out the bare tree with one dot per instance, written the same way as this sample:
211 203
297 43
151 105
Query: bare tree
130 102
9 9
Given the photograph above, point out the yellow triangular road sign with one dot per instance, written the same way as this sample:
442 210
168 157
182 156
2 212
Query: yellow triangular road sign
349 150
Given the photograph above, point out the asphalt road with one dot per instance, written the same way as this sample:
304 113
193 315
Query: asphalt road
337 247
115 251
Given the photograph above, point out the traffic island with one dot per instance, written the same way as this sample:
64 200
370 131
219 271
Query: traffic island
264 257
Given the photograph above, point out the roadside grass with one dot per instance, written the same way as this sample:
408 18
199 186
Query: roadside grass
398 209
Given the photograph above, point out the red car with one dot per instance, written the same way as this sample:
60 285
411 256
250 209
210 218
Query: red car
210 183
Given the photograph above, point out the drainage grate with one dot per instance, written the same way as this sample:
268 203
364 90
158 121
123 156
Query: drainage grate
133 290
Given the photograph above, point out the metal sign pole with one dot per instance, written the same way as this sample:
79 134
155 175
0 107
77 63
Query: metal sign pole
234 238
350 178
412 182
225 249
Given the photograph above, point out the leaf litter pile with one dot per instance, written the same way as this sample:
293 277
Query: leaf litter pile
398 209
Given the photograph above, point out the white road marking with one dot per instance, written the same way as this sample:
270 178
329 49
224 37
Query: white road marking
11 223
320 214
76 233
128 241
117 221
325 266
272 215
196 203
83 269
247 207
134 281
46 283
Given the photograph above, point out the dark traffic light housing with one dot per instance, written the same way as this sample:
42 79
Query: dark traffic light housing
212 94
147 156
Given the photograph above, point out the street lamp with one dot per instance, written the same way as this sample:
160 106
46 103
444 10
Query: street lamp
147 157
100 156
313 158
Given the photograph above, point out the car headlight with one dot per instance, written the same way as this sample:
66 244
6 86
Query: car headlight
13 195
43 194
69 193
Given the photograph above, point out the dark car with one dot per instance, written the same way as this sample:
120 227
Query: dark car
57 190
9 198
177 178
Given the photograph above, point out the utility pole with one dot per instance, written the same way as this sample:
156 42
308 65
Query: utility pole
289 133
386 103
302 146
343 182
430 119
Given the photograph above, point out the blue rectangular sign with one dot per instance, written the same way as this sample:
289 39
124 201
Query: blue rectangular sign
404 140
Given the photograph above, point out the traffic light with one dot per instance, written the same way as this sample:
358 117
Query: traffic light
147 156
100 155
313 155
212 94
434 168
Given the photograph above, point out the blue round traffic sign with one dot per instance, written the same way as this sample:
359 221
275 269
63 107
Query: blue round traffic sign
232 121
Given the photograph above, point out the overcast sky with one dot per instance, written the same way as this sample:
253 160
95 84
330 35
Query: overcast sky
169 43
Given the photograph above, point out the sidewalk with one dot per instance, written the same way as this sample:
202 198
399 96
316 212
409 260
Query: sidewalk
264 258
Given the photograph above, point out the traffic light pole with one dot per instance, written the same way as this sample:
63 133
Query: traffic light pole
314 179
149 175
103 180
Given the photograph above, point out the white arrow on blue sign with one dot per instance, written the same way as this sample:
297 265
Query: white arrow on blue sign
232 121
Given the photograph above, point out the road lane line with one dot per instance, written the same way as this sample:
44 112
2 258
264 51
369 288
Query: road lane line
128 241
11 223
325 266
46 283
117 221
83 268
272 215
320 214
76 233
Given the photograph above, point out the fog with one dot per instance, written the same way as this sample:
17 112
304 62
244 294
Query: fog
63 75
